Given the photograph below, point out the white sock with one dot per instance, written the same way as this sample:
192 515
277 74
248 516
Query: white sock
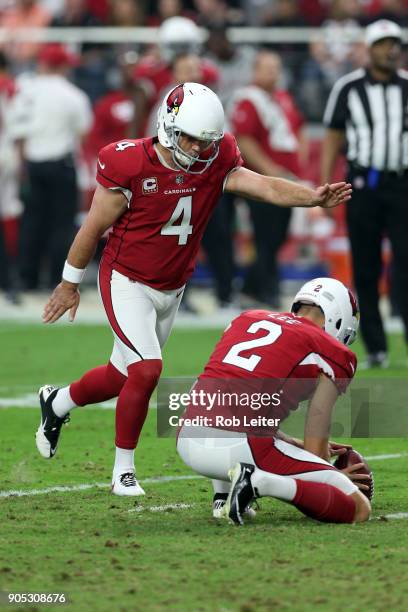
62 402
221 486
272 485
124 461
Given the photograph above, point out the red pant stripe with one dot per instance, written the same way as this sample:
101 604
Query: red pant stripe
105 274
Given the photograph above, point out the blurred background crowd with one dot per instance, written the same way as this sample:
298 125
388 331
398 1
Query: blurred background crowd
109 89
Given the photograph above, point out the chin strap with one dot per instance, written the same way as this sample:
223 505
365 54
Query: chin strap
181 158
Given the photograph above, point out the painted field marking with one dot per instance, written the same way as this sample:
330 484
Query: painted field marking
30 400
139 509
161 508
390 456
393 517
94 485
157 479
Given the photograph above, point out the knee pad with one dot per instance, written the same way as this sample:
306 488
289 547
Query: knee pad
145 373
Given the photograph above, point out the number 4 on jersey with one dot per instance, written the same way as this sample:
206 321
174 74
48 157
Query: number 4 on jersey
183 229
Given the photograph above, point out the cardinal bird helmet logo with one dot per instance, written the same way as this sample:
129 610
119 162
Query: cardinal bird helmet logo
175 100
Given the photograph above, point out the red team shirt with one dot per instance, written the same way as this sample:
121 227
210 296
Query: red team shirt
267 346
246 121
157 239
113 114
7 87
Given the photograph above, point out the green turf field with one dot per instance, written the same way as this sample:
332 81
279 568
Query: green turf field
165 551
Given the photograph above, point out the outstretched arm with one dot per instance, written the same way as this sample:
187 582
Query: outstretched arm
107 207
281 192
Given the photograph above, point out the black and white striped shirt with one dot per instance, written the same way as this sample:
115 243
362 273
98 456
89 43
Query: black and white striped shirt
374 116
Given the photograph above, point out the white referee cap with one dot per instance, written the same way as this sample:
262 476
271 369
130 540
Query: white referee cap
383 28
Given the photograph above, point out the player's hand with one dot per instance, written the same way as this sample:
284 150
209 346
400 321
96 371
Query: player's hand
352 472
64 297
329 196
336 449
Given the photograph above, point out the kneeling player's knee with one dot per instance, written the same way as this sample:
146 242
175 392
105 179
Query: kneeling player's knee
363 507
337 479
146 372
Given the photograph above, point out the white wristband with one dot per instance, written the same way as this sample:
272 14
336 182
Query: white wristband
72 275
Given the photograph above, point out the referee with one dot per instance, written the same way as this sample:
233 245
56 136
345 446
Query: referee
367 111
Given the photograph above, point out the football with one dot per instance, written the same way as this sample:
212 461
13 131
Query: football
351 458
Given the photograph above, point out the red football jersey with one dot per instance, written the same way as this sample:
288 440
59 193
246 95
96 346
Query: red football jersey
278 134
267 351
283 346
113 114
156 240
7 86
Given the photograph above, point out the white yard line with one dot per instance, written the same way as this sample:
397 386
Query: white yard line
94 485
393 517
382 457
56 489
139 509
157 479
161 508
30 400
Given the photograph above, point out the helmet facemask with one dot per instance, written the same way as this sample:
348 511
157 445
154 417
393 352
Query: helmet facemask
185 161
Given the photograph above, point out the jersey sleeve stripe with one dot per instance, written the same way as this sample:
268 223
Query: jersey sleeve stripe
339 365
228 175
108 180
315 359
126 192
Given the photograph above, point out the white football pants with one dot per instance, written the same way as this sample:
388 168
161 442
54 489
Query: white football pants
212 452
141 318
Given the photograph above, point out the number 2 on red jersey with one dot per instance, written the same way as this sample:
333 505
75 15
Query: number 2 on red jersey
233 356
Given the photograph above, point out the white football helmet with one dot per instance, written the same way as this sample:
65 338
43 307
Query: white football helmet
178 35
338 304
195 110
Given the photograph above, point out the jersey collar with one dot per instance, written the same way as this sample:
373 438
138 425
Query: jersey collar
155 156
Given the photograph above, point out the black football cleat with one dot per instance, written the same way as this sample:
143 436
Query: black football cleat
241 493
218 508
48 433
